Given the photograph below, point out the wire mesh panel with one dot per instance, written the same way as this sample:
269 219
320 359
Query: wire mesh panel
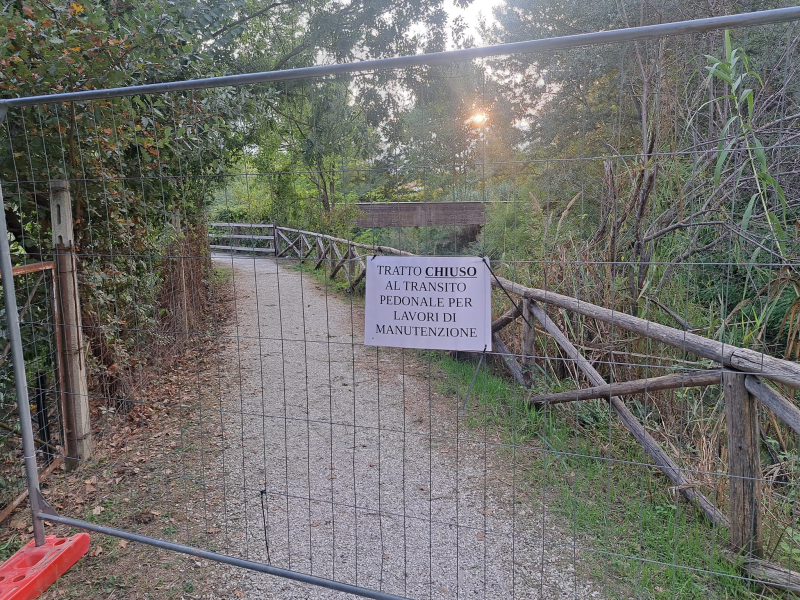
639 220
34 288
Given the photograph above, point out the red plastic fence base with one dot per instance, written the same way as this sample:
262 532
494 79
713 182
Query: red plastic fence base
32 570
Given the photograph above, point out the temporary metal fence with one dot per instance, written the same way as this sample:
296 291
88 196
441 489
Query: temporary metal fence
236 415
35 285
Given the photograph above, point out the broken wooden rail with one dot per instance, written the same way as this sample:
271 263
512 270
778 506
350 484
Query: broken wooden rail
744 469
741 394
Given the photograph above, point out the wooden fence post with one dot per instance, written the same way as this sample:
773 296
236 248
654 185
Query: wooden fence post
528 333
744 465
73 358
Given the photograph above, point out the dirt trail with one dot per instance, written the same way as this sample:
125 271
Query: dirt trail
365 479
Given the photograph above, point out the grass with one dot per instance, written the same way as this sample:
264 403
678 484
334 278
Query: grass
221 276
638 540
338 285
9 546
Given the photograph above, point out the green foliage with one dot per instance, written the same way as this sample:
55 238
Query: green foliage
9 547
121 156
135 162
759 300
514 229
735 70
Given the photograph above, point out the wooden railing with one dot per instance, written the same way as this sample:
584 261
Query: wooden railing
339 255
740 376
237 233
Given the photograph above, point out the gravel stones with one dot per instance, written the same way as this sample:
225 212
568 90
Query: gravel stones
369 476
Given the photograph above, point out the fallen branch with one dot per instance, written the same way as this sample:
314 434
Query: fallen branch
18 500
637 386
686 488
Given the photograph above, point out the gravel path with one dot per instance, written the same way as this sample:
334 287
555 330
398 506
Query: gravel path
365 480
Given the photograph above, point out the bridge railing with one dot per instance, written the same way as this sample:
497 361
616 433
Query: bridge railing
337 254
242 237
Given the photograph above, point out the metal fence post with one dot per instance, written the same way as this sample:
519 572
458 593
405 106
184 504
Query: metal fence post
20 380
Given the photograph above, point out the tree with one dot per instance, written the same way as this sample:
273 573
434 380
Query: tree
132 161
631 104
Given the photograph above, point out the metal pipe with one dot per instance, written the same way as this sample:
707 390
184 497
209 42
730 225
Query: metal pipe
20 380
222 558
32 268
764 17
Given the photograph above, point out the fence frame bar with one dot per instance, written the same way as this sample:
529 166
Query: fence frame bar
764 17
20 379
221 558
37 503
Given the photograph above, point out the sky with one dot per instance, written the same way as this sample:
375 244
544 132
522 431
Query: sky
472 14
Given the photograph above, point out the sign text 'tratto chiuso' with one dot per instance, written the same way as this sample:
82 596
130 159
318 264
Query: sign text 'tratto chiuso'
439 303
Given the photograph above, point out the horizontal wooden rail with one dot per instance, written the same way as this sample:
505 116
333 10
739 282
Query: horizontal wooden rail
637 386
257 225
749 361
242 249
241 237
330 238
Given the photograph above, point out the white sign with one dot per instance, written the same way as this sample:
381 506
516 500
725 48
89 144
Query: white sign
428 302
